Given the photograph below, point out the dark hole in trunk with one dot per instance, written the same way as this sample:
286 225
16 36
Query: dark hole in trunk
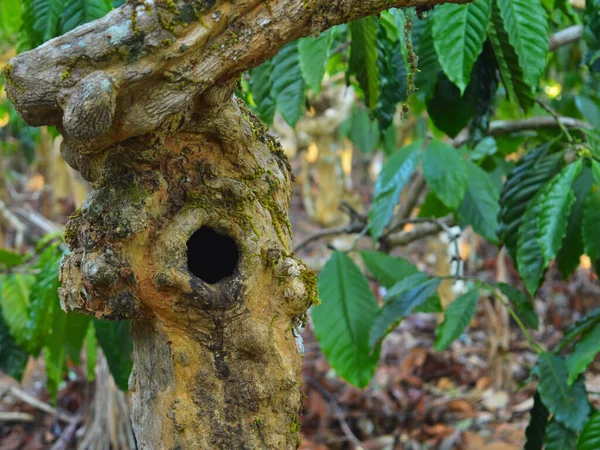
211 256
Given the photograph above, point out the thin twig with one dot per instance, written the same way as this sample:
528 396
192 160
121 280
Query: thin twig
31 400
416 188
65 437
338 411
558 120
15 417
426 229
326 232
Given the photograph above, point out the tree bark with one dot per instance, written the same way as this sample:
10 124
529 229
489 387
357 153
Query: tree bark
186 232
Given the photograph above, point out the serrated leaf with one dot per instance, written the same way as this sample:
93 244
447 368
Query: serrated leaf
527 34
589 439
260 86
77 326
522 184
517 89
534 434
116 343
392 74
287 84
392 179
591 225
559 437
46 15
54 352
484 85
363 58
572 248
313 53
43 299
402 298
445 172
555 205
388 270
79 12
480 207
583 354
459 32
583 325
569 405
456 318
10 259
344 319
529 255
12 358
15 299
523 304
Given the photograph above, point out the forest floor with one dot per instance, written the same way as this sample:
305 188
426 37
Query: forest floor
464 398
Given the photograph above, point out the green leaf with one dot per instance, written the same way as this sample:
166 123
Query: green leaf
456 318
344 318
10 258
287 84
569 405
43 299
260 86
363 132
91 352
117 345
15 299
54 352
388 270
429 66
446 97
314 53
568 258
555 205
596 171
446 173
392 74
401 299
12 359
583 325
523 304
589 439
363 58
480 207
534 434
583 354
591 225
77 326
459 32
522 184
10 19
559 437
392 179
46 15
527 27
433 207
529 255
483 86
511 72
79 12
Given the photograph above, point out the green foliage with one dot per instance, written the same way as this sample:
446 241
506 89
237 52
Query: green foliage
568 404
534 434
395 174
117 345
445 172
559 437
400 301
78 12
363 58
344 318
456 318
480 205
12 359
523 304
260 84
589 439
584 353
287 83
459 33
388 270
313 55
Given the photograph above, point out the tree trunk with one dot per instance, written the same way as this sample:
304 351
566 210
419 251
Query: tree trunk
186 232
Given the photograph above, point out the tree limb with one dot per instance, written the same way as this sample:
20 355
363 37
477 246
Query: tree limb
565 37
93 82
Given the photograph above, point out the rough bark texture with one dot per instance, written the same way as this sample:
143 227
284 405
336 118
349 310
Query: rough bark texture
144 100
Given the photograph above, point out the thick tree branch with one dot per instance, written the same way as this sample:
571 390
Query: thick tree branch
95 82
